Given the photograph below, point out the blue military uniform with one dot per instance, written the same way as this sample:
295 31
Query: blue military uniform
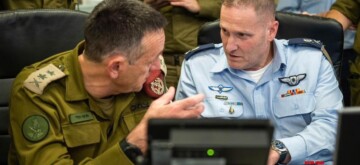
298 92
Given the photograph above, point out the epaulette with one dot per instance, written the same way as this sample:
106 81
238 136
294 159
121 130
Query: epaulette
38 80
311 42
198 49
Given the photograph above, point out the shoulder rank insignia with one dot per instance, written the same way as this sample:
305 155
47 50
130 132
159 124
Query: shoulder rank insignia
38 80
35 128
293 80
198 49
313 43
220 88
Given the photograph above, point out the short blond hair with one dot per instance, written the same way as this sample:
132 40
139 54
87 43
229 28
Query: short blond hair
262 7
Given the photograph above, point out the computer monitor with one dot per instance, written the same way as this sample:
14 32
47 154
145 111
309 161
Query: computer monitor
208 141
348 137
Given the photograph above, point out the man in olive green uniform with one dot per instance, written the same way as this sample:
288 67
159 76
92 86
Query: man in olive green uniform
185 18
347 12
91 105
35 4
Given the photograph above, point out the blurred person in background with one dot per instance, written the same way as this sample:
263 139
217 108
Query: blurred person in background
347 12
185 17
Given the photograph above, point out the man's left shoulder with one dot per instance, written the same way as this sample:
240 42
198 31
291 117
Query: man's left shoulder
306 42
201 48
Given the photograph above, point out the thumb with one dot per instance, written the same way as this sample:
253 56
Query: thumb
167 97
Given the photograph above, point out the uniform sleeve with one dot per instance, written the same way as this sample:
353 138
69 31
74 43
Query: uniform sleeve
317 140
112 156
350 8
186 86
292 6
210 9
45 145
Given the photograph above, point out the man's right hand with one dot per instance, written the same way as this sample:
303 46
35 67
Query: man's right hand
191 107
163 107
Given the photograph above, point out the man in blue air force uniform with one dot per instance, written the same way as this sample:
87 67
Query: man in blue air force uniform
253 75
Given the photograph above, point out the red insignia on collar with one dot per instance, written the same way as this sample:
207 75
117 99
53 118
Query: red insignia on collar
154 85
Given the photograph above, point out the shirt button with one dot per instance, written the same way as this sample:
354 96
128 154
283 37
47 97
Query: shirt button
296 106
61 67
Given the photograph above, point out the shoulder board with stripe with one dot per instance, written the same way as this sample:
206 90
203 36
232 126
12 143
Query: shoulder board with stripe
198 49
312 43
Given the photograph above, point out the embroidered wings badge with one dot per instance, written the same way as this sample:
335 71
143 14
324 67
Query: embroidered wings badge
293 80
220 88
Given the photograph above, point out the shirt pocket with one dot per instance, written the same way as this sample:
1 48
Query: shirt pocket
294 105
81 134
222 108
294 111
133 119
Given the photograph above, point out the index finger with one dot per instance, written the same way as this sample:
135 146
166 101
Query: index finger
190 101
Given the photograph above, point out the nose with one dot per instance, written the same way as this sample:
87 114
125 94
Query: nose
231 44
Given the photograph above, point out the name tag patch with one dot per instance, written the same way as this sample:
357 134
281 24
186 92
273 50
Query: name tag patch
81 117
221 97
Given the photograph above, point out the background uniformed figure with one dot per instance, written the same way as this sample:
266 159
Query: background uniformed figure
36 4
184 20
86 105
347 12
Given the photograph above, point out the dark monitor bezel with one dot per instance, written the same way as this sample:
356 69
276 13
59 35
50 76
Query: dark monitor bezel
348 136
159 129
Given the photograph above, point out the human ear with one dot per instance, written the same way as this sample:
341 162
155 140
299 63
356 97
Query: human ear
115 65
273 28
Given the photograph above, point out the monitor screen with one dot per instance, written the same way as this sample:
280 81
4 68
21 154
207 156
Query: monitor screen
208 141
348 137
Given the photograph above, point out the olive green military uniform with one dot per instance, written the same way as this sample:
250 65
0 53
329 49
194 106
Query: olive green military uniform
35 4
181 33
351 9
54 120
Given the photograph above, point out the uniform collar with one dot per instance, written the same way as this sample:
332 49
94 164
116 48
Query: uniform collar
221 64
278 61
75 88
280 55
